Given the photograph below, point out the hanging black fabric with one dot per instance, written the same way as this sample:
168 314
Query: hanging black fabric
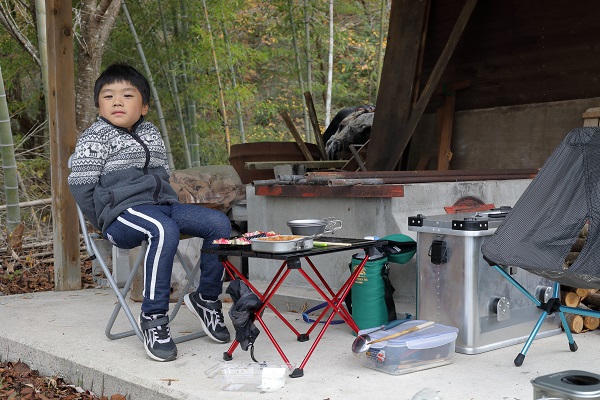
245 303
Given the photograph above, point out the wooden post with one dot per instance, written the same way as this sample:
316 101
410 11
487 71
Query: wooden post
61 119
445 124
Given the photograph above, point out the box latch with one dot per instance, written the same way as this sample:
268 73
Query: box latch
438 252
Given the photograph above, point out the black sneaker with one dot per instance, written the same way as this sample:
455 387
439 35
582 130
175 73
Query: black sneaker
157 337
210 315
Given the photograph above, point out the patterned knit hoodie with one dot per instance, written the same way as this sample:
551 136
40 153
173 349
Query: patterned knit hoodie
113 169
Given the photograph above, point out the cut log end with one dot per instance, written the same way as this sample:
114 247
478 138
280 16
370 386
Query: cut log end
575 322
570 299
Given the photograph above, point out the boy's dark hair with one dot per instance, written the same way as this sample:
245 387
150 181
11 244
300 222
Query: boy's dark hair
122 73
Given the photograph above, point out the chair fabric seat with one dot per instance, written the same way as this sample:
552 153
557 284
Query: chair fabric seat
540 230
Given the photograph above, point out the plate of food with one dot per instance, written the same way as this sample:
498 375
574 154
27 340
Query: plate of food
244 239
281 243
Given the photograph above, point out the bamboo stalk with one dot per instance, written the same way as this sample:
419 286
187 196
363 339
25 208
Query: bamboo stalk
9 164
218 75
175 93
161 117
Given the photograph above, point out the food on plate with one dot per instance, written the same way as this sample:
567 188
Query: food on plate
280 238
233 241
244 239
258 234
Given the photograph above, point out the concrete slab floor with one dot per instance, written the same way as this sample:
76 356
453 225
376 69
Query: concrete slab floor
63 333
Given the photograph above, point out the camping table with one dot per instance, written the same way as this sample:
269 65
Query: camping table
291 262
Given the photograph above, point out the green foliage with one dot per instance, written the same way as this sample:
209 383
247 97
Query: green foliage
253 38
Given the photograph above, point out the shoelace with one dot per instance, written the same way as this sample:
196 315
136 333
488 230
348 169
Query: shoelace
162 332
220 317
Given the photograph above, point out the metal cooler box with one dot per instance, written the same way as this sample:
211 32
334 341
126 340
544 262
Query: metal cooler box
457 287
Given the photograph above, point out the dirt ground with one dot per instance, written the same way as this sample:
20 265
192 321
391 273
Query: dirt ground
17 380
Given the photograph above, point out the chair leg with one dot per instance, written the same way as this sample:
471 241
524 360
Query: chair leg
521 357
122 293
563 320
191 274
552 306
122 303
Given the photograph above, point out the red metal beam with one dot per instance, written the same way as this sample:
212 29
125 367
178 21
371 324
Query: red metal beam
330 191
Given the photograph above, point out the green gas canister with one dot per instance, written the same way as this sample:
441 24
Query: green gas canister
368 303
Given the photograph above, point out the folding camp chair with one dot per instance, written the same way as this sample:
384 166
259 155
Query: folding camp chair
94 254
542 227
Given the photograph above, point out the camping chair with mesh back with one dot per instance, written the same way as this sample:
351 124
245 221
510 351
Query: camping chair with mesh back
540 230
95 254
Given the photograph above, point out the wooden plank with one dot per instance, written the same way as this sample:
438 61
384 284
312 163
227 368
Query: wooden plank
591 117
592 113
357 157
296 135
384 191
61 117
394 147
308 164
394 98
315 124
352 163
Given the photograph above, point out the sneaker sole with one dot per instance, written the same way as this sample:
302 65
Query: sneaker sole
152 356
188 304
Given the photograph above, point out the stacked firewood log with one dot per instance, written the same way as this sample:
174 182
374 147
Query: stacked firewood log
588 299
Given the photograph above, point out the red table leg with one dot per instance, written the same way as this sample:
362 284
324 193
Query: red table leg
334 301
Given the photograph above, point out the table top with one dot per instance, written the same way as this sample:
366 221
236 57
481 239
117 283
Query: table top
246 250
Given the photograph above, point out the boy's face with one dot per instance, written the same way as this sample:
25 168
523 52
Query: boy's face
121 104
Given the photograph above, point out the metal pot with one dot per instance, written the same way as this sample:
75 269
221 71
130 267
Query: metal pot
282 244
314 227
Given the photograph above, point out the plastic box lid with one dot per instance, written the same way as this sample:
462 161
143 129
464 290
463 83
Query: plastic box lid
432 336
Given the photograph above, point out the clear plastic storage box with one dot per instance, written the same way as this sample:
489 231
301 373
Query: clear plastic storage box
427 348
253 377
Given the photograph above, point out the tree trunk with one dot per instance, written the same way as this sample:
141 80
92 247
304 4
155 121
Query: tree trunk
40 14
308 52
299 66
97 20
329 67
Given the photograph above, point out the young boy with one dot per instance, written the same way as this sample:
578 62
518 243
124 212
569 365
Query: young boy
120 180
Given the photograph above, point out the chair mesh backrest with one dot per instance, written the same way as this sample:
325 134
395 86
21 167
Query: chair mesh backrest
539 232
